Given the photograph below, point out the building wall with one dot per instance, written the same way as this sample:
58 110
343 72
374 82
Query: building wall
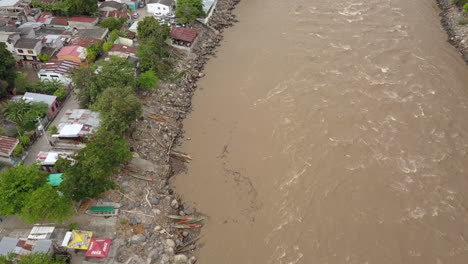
125 41
29 54
70 58
51 76
158 8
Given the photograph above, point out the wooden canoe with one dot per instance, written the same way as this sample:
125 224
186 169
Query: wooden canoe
141 177
106 213
187 226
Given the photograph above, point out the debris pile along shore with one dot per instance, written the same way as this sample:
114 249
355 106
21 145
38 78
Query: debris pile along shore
145 233
450 18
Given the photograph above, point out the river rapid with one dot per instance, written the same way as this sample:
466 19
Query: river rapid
331 132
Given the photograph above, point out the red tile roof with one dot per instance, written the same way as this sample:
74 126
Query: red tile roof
7 144
82 19
75 51
83 41
123 49
184 34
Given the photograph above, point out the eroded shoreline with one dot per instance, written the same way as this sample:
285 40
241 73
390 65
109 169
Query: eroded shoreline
450 16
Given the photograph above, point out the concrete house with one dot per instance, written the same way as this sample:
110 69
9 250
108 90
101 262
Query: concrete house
16 10
47 159
10 39
50 100
72 53
28 49
7 145
58 70
183 36
160 7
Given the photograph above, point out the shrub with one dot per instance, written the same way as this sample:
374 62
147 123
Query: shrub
73 226
465 8
107 46
22 83
18 151
24 141
61 93
43 57
53 130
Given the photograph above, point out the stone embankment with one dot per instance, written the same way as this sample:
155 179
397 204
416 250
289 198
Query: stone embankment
144 232
451 16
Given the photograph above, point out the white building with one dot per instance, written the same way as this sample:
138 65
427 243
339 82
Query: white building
58 70
160 7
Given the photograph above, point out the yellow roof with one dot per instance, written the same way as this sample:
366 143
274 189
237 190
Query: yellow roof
80 239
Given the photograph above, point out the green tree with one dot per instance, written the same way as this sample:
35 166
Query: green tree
39 258
94 50
62 164
7 68
118 112
465 8
24 114
22 84
153 57
43 57
82 7
49 87
91 174
61 93
91 81
46 203
148 80
113 23
84 80
107 46
16 186
189 10
114 35
149 28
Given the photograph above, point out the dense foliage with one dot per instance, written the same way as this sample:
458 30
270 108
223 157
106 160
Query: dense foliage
91 81
151 52
7 69
17 185
189 10
147 80
113 23
24 114
68 7
91 174
118 112
33 258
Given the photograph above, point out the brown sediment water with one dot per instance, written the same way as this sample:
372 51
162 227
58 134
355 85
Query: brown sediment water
331 132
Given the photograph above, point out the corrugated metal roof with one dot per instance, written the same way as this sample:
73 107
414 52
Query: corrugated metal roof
39 98
184 34
41 232
8 245
7 145
42 246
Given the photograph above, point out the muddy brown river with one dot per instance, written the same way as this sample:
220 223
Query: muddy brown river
331 132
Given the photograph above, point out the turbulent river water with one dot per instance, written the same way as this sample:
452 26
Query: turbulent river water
331 132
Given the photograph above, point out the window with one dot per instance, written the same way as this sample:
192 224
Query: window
30 52
43 75
159 7
54 76
20 51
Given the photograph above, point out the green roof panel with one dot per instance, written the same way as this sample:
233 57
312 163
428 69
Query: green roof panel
55 179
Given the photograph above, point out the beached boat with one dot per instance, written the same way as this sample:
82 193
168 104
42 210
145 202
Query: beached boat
141 177
186 226
186 219
105 211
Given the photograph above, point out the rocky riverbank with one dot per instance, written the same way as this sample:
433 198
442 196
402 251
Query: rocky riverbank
451 16
144 232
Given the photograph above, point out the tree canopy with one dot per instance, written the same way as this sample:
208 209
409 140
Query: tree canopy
17 185
91 174
118 112
24 114
149 28
113 23
92 80
7 68
189 10
46 203
148 80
